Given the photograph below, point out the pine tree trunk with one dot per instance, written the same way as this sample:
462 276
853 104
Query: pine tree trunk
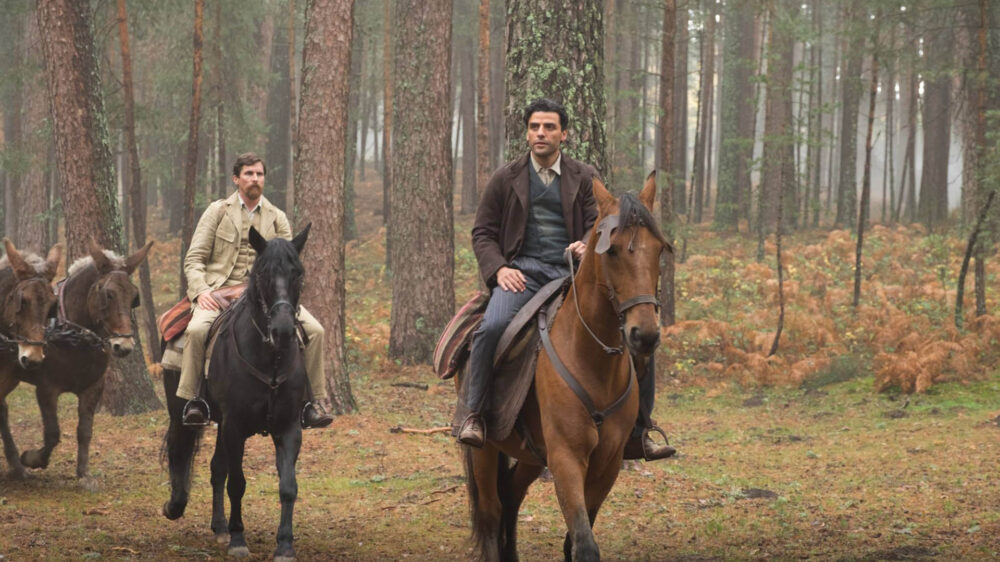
191 162
667 134
423 295
932 208
778 173
498 91
319 178
847 186
483 147
136 193
351 131
293 114
576 81
222 180
467 107
735 114
387 124
866 182
32 195
83 153
707 74
680 110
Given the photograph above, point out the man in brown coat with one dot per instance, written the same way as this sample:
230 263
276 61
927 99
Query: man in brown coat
533 209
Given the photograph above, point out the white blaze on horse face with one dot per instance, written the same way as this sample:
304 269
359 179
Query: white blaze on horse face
30 354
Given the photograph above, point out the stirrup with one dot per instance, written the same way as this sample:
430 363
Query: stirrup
470 440
668 450
187 407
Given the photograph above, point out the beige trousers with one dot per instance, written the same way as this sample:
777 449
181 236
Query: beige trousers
193 363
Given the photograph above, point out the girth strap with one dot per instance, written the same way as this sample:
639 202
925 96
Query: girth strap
597 415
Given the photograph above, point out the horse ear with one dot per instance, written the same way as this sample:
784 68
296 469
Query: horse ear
300 239
648 193
21 268
52 261
135 259
257 241
605 201
101 260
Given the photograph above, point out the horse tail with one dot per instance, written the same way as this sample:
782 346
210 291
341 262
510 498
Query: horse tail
489 528
180 445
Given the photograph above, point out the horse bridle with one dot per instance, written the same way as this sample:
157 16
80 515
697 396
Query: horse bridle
604 230
61 294
269 312
18 339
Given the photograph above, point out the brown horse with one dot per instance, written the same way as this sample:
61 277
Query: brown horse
26 302
584 401
94 321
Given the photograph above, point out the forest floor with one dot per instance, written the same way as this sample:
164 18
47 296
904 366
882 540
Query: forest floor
794 456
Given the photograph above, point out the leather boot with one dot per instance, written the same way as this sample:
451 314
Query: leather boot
196 413
643 446
472 432
314 416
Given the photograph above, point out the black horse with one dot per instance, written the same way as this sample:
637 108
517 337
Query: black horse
256 384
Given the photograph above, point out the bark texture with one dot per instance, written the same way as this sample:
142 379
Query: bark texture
191 161
665 155
422 240
319 178
84 156
554 50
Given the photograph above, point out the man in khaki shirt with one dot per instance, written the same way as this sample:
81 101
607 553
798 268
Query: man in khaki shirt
220 255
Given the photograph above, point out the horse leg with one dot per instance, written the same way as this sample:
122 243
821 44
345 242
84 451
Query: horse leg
482 471
48 399
286 448
220 470
17 471
87 402
236 486
569 472
181 444
523 475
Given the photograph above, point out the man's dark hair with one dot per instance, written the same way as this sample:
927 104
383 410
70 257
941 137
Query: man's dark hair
247 159
547 106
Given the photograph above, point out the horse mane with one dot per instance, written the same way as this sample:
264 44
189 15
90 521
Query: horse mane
278 253
118 262
32 259
634 213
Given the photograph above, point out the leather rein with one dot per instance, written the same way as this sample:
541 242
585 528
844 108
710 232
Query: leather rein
604 229
63 319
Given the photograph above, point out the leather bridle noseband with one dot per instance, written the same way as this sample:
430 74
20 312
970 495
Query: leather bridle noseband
604 229
269 312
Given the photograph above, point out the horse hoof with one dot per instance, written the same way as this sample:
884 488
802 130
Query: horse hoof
239 551
172 511
222 538
33 459
89 483
18 473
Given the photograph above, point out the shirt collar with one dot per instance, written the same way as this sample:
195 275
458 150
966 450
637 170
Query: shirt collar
554 167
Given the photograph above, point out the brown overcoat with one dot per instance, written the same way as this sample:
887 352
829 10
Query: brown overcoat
503 211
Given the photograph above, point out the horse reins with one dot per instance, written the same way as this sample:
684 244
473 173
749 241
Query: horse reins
63 319
605 228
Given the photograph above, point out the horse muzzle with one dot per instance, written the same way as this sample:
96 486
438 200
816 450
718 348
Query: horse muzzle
30 356
121 346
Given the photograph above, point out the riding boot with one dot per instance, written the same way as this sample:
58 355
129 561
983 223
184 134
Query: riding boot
640 445
313 413
196 413
315 416
473 431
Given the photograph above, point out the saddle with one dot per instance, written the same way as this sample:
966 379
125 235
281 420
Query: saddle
513 363
174 321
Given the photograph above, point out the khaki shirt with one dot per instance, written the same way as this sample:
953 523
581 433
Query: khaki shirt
215 245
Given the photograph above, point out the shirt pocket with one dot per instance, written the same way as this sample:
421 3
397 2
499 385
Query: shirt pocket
226 232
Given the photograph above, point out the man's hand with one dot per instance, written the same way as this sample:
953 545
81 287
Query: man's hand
206 301
578 248
511 279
